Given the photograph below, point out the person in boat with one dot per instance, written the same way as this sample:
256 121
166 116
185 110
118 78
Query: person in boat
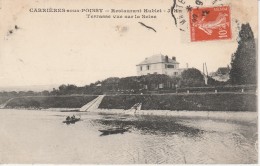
68 118
73 117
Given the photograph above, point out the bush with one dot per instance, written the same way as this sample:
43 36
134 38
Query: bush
192 78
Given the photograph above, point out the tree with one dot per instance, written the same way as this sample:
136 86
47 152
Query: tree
45 93
192 78
243 62
67 89
152 81
110 83
129 83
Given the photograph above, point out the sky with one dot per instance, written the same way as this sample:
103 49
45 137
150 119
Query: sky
69 48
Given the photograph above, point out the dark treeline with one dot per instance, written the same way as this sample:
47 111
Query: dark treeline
128 85
11 94
139 84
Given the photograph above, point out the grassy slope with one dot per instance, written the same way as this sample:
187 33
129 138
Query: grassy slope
198 102
51 101
4 99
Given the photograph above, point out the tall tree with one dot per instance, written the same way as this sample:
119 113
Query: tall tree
243 62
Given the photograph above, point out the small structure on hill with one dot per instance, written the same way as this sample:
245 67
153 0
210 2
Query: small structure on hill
222 74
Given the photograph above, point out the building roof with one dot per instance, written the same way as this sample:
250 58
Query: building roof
223 70
157 59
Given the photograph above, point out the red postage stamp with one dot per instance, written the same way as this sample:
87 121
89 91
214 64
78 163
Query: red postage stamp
210 23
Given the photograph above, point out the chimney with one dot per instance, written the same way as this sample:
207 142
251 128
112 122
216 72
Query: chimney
174 58
166 59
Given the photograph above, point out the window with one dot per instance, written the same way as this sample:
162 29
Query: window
175 73
171 66
141 68
155 73
148 67
160 86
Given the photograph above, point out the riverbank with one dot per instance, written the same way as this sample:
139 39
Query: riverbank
218 115
219 102
45 102
250 117
181 102
4 99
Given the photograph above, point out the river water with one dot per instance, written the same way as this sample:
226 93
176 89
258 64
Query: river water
40 137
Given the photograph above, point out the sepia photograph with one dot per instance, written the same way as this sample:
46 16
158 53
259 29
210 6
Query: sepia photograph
129 82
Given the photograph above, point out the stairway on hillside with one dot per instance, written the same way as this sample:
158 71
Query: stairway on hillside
92 105
4 104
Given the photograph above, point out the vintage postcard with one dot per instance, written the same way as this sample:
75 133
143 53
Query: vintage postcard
128 82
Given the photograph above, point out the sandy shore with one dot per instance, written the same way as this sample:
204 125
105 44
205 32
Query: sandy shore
238 116
222 115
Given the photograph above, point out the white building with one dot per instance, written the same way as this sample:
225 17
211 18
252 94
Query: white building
159 64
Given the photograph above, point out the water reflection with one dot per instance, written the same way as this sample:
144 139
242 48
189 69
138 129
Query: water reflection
147 124
114 130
